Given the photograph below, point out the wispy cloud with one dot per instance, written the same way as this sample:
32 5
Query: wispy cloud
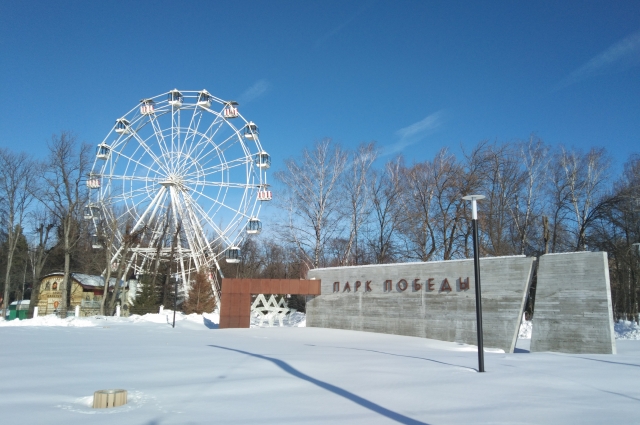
415 132
342 26
622 54
255 91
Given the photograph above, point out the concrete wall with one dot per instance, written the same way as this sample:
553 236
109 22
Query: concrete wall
573 304
428 311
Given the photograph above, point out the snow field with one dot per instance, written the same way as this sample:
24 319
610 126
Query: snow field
198 374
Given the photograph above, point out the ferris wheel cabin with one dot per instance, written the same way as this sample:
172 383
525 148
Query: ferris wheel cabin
94 181
146 107
254 226
251 131
263 160
175 98
230 109
264 195
204 98
122 126
95 242
103 151
232 255
91 212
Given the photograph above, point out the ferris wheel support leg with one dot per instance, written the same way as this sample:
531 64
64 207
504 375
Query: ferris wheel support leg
158 199
126 270
114 257
155 236
198 231
208 220
175 202
154 203
190 223
215 284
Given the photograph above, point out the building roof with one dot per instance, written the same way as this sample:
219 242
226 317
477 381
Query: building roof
88 281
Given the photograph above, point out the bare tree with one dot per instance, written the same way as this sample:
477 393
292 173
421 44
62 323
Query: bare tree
130 238
557 199
449 212
501 179
585 176
615 229
527 201
63 193
17 182
356 200
418 226
42 223
386 197
107 229
312 200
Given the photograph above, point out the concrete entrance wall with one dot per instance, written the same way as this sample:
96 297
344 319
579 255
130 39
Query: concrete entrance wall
431 300
573 311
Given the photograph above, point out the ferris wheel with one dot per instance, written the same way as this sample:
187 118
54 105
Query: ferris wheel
186 173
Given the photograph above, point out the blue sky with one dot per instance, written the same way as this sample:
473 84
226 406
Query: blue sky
413 76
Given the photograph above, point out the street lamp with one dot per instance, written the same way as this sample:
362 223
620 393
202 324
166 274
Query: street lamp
476 269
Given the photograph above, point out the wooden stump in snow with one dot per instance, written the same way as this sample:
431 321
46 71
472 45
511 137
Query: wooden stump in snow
109 398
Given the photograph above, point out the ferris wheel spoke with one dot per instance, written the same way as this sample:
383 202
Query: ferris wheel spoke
217 124
221 204
221 147
136 163
230 185
149 152
192 129
199 231
208 136
220 234
125 178
205 217
159 135
227 165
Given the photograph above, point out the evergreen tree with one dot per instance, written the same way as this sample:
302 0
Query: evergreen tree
201 299
147 300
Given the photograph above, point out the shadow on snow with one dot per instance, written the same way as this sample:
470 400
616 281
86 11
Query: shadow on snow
332 388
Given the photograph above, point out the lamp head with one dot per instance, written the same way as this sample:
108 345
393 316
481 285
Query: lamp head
473 199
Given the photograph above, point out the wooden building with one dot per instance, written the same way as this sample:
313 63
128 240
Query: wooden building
86 291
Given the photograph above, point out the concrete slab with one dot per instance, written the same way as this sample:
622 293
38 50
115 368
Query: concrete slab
573 312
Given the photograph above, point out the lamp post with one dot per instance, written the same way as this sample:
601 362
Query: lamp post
476 269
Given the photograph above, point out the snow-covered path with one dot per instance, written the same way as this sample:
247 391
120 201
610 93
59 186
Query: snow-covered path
196 374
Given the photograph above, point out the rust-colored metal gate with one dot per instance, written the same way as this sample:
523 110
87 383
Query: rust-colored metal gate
235 306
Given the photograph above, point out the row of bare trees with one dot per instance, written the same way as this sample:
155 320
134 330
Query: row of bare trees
341 207
349 208
40 197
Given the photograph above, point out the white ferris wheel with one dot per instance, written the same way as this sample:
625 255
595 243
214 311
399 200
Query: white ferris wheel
185 171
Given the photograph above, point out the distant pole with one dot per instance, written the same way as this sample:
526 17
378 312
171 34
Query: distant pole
476 270
175 301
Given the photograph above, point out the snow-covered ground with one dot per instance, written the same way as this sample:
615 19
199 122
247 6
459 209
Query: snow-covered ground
199 374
